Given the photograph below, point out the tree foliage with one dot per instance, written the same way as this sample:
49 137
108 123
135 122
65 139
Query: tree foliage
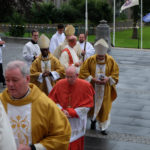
7 7
97 10
146 8
17 29
42 13
69 14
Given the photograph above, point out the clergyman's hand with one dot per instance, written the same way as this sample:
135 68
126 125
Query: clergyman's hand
46 73
83 53
24 147
100 82
105 80
77 64
66 113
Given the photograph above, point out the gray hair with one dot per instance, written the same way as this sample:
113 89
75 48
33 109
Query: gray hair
21 65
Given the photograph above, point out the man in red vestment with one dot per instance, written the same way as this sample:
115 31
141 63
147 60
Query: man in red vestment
74 97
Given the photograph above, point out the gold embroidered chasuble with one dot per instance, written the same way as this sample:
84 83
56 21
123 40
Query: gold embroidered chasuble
49 126
36 70
88 68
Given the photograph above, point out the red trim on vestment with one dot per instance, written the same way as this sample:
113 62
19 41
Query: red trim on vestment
77 144
69 54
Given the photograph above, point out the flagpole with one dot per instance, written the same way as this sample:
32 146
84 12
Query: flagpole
141 24
114 22
86 17
86 27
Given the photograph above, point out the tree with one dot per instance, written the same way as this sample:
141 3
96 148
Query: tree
17 29
146 8
68 14
42 13
7 8
97 10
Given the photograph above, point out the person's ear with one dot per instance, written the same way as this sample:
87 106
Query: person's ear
28 78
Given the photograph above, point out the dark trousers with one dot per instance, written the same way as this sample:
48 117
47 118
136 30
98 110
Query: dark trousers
2 79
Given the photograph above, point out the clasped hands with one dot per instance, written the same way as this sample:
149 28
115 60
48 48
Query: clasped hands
46 74
100 82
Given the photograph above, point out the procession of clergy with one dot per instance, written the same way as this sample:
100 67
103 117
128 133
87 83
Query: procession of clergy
78 77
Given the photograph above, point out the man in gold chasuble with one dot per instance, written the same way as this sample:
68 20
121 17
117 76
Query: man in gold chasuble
46 69
102 71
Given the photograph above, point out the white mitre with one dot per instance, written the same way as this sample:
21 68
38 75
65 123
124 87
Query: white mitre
43 42
101 47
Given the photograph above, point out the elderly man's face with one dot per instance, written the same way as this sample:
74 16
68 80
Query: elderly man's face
72 43
71 77
16 83
45 52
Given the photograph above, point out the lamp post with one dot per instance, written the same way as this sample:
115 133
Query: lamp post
137 27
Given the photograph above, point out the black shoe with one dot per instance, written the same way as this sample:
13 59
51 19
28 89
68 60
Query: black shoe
93 125
104 132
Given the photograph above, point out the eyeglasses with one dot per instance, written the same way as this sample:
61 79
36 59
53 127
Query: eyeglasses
35 35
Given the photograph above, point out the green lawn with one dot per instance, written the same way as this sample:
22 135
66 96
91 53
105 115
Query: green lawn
124 39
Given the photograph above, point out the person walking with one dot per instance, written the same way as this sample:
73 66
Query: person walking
74 97
31 50
57 38
37 122
102 71
46 69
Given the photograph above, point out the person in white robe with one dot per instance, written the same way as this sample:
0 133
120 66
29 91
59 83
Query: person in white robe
6 134
2 79
57 38
86 46
68 56
31 50
69 31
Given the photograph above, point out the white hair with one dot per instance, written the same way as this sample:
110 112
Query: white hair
21 65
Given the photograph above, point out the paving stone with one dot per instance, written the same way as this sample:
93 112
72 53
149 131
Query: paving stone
130 126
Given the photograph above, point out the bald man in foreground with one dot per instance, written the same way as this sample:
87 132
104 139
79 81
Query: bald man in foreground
74 97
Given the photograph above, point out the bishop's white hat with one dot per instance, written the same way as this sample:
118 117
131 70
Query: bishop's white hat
43 42
69 30
101 47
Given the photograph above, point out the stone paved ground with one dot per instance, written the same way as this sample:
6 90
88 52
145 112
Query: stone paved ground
131 110
130 126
